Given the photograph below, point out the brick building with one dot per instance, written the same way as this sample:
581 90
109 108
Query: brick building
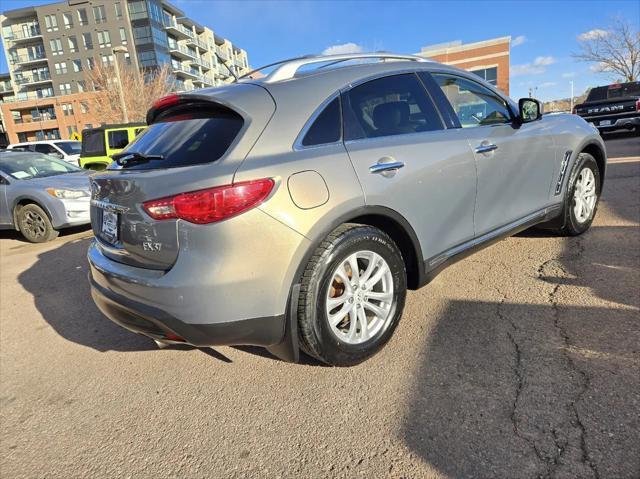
489 59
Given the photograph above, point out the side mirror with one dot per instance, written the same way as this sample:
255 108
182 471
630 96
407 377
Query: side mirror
529 109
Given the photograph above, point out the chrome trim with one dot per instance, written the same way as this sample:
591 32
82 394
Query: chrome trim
378 75
485 148
287 70
297 145
456 250
106 205
563 170
382 167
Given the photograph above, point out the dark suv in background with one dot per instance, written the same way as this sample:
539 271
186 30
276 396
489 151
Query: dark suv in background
612 107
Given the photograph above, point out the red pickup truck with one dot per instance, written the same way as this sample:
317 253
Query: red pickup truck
612 107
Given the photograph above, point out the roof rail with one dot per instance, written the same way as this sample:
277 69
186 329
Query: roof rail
288 68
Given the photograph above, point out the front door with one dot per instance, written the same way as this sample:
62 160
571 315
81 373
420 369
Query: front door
515 164
407 161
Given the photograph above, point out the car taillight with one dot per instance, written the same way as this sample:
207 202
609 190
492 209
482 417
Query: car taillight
637 105
212 204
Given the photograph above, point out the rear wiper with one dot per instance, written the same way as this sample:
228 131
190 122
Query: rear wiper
125 158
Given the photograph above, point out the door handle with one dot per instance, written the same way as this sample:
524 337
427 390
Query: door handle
486 148
386 166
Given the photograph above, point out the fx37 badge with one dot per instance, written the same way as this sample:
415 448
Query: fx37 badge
151 246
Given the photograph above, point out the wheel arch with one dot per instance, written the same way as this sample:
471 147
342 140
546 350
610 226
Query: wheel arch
596 150
27 200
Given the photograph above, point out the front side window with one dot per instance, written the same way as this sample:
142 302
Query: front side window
393 105
473 104
327 126
118 139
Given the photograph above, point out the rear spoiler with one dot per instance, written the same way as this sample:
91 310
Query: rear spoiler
170 101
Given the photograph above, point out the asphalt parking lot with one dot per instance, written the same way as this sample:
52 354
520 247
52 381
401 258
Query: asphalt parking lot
521 361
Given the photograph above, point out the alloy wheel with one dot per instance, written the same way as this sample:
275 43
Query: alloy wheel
584 195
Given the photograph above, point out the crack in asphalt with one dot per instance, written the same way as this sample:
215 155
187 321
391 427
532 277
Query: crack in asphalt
577 250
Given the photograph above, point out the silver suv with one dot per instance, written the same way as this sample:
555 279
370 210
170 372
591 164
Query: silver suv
294 211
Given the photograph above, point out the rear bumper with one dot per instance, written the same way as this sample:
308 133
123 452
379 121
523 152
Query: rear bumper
617 124
158 324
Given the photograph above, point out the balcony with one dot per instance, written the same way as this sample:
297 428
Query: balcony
180 31
181 52
30 33
23 60
6 87
222 53
33 79
191 73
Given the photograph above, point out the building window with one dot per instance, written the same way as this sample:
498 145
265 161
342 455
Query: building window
91 63
67 109
127 58
99 14
71 130
104 39
123 36
82 16
65 88
44 92
67 17
77 65
81 86
22 137
84 107
107 60
118 8
87 41
61 68
490 75
51 22
56 46
73 44
137 10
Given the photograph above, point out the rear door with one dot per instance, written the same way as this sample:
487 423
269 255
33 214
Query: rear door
408 161
515 164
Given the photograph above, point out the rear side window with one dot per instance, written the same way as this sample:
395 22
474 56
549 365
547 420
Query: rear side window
388 106
185 136
118 139
327 126
46 149
93 143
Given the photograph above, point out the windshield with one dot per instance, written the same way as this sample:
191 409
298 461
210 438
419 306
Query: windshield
69 147
29 166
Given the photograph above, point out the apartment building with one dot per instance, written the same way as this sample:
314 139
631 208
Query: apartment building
6 94
489 59
50 47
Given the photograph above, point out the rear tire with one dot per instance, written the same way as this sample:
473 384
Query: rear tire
583 195
343 323
34 224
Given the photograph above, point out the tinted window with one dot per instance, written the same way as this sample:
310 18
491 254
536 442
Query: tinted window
326 127
93 143
185 137
46 149
623 90
118 139
69 147
473 104
388 106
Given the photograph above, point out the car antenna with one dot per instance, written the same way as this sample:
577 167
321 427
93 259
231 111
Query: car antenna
220 60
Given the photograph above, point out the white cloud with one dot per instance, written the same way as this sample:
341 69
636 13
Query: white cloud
343 48
599 67
537 67
548 84
569 75
519 40
592 34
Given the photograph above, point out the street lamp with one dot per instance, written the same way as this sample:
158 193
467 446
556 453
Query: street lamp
123 105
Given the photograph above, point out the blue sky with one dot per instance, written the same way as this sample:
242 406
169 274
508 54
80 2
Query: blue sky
547 31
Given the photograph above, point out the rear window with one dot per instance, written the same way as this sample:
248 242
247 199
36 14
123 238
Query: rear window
185 137
93 143
620 90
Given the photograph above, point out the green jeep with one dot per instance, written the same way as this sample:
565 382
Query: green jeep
98 144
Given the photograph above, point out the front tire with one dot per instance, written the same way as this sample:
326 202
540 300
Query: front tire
583 194
351 296
35 225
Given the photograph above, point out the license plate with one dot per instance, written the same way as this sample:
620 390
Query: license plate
110 225
605 123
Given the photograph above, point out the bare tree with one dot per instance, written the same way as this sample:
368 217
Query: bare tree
140 90
615 50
